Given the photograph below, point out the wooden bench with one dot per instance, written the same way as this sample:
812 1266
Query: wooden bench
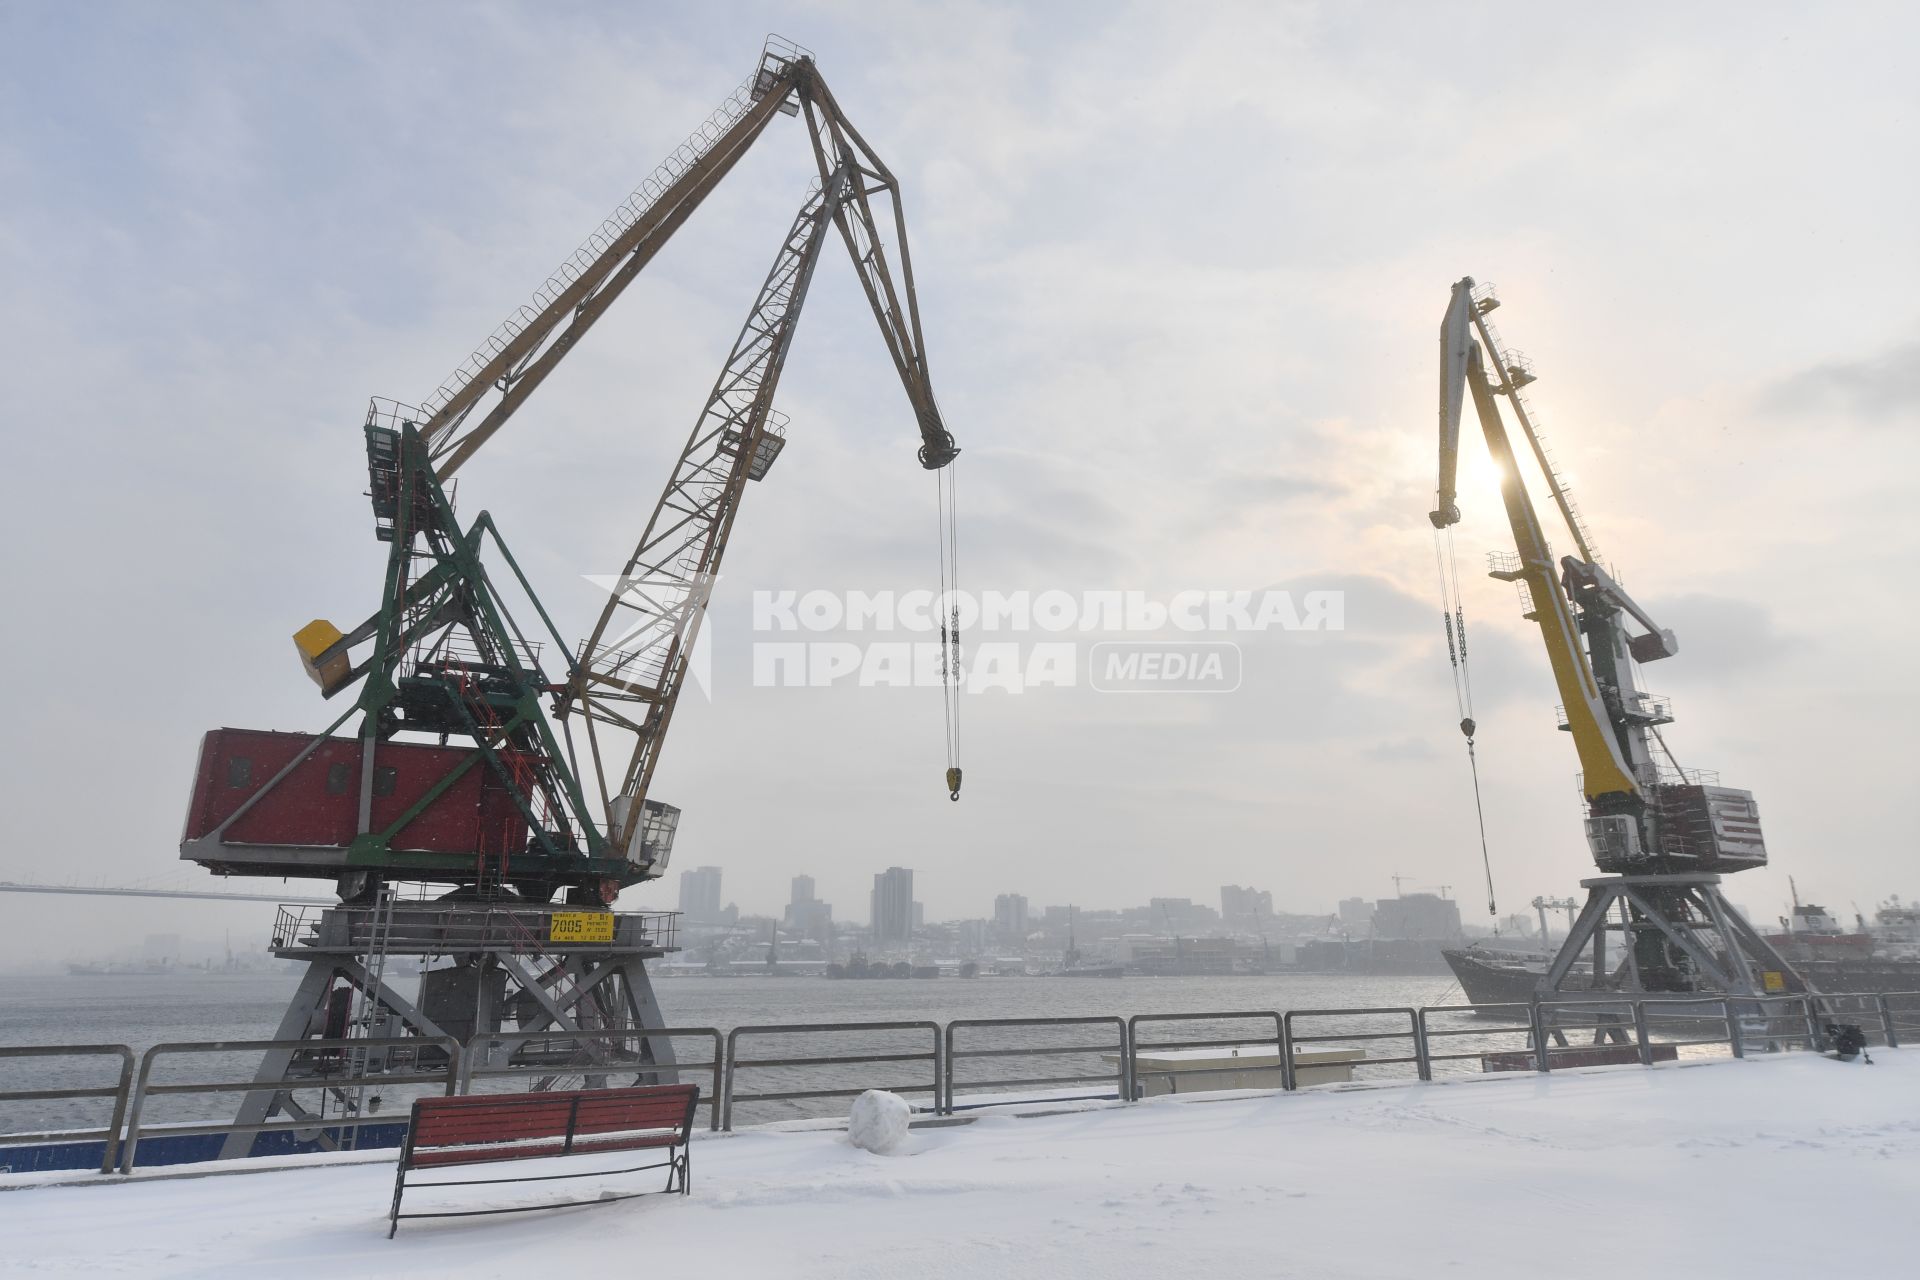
496 1128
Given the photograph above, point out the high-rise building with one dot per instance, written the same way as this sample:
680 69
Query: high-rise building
808 916
892 906
1010 919
1181 915
1356 915
1245 908
700 894
1418 916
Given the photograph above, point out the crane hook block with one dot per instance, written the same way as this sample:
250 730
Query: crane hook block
953 784
1467 727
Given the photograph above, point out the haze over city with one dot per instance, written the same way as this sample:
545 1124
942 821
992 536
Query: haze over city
1180 273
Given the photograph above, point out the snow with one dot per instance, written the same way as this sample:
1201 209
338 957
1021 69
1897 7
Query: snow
1773 1166
877 1122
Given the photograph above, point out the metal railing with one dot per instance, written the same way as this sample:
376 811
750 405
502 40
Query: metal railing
144 1086
734 1063
1452 1014
437 927
1423 1067
479 1051
1873 1014
1649 1026
1120 1075
118 1092
1282 1050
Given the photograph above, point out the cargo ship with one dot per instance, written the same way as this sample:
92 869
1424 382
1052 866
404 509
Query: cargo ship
1836 961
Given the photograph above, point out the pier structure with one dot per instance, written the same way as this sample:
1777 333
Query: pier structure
485 966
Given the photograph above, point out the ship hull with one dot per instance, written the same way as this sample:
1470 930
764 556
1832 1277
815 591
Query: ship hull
1492 984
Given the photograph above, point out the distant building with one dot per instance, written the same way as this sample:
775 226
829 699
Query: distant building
1417 916
1356 914
1181 915
892 906
1245 908
808 916
700 895
1010 919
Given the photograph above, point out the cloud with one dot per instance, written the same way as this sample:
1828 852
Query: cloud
1179 275
1723 639
1880 390
1400 751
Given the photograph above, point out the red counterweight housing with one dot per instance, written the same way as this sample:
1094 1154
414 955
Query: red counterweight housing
305 823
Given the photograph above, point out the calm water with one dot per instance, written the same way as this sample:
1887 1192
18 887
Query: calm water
142 1011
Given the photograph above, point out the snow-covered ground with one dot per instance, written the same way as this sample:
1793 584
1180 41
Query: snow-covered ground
1770 1167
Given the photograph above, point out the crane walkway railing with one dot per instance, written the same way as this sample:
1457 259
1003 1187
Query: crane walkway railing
812 1065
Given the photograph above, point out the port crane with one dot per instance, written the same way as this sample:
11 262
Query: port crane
480 764
1663 835
555 799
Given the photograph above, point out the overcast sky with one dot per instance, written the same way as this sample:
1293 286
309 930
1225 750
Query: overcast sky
1181 269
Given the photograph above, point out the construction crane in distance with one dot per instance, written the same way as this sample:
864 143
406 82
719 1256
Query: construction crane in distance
540 799
1662 834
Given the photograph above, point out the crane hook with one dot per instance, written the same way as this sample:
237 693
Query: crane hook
953 784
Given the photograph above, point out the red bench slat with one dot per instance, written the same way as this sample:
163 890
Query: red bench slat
492 1128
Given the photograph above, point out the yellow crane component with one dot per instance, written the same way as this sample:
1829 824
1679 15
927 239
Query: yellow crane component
1605 771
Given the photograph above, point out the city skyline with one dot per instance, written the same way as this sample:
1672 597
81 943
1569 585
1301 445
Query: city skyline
893 892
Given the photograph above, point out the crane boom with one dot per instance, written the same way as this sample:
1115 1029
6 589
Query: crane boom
520 355
1604 770
635 661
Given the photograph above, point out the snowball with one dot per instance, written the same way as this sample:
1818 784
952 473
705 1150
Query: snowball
878 1122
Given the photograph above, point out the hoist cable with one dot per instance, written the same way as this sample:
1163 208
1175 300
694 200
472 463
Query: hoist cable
1486 859
1453 620
948 521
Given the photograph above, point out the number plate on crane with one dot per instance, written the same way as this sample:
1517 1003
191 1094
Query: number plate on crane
580 926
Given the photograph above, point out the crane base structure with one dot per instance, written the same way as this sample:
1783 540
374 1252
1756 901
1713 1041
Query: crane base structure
511 970
1676 934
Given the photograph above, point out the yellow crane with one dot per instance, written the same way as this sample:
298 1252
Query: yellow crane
1664 834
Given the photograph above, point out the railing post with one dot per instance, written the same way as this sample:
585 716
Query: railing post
713 1105
1422 1064
134 1107
943 1064
1639 1008
1288 1079
1886 1021
1810 1006
726 1093
1540 1062
1735 1040
114 1135
1128 1043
